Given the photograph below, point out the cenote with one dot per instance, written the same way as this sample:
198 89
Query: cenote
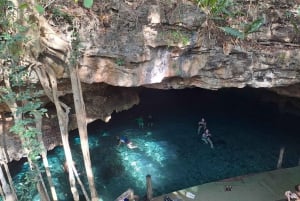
247 133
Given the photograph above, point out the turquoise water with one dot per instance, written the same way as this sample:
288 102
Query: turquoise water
247 134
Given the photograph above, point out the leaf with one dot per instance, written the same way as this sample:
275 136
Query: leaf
6 36
88 3
211 3
254 26
40 9
233 32
215 6
23 6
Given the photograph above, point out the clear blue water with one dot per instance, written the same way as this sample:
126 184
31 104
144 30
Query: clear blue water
247 134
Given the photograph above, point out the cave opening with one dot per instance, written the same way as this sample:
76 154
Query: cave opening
247 126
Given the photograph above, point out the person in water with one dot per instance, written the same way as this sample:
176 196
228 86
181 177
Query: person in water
125 140
201 126
206 138
140 122
150 121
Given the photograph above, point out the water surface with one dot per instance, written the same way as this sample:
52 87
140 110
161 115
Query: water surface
247 134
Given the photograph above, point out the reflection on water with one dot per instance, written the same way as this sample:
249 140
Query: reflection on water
247 135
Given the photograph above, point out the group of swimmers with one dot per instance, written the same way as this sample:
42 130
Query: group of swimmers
202 128
149 121
206 136
140 121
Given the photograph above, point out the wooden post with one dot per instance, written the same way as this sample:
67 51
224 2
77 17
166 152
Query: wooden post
149 187
279 163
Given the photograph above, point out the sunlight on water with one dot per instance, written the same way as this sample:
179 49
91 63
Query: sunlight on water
148 158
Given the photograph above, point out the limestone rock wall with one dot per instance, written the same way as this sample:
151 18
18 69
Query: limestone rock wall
168 44
175 44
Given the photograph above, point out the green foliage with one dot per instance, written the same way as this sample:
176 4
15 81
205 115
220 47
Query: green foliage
214 7
174 37
248 29
11 44
180 37
220 10
25 127
59 14
233 32
12 33
39 9
288 14
120 62
23 6
254 26
88 3
9 94
20 90
292 18
27 188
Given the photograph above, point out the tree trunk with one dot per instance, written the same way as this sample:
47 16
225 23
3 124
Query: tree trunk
44 196
2 193
47 76
8 175
4 185
80 183
6 191
4 154
38 119
82 127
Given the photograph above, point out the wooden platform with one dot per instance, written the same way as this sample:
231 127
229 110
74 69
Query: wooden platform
267 186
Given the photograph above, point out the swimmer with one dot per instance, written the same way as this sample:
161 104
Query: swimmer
140 122
206 138
125 140
201 126
150 121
